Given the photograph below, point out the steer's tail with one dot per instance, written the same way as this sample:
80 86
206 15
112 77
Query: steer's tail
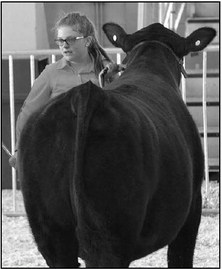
85 100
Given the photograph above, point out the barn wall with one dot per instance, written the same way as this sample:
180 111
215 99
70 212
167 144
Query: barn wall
23 26
98 12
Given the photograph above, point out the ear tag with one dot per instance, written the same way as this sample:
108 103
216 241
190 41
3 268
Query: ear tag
197 43
114 38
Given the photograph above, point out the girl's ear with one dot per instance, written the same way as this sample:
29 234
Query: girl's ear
88 41
116 34
199 39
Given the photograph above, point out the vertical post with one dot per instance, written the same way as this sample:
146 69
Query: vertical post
12 123
32 69
183 84
118 58
204 96
160 12
140 15
53 58
171 17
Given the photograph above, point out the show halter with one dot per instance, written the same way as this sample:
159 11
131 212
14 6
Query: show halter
122 67
180 61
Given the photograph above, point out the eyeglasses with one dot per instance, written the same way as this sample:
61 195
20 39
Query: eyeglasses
69 40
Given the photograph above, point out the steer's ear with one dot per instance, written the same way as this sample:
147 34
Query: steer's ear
116 35
199 39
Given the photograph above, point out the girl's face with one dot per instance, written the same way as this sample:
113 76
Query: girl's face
72 44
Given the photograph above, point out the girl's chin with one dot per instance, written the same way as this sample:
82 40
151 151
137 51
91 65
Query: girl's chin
68 57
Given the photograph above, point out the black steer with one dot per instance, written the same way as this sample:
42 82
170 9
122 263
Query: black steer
111 175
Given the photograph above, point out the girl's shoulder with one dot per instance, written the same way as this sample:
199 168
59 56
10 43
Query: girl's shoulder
60 64
51 70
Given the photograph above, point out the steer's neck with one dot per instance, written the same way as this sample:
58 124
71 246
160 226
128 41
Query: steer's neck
157 62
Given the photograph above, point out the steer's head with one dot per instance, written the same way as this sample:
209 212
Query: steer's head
181 46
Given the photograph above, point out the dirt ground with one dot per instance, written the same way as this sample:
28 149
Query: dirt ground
19 249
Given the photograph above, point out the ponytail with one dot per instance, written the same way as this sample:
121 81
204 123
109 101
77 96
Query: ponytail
98 54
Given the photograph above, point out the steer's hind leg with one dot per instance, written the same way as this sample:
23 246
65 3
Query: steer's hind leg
64 246
57 243
181 250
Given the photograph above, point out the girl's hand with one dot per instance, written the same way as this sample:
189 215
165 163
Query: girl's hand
13 160
110 73
112 68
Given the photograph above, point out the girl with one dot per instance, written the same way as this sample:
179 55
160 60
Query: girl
83 59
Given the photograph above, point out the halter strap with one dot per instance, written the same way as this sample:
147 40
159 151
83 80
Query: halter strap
180 61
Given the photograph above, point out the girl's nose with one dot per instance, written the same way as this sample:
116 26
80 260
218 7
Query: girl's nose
65 45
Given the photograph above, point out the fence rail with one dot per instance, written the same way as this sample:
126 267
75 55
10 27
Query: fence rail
37 54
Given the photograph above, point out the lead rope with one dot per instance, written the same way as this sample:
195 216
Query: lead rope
104 71
102 76
183 71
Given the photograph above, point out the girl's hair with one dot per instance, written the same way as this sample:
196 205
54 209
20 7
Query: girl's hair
84 26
